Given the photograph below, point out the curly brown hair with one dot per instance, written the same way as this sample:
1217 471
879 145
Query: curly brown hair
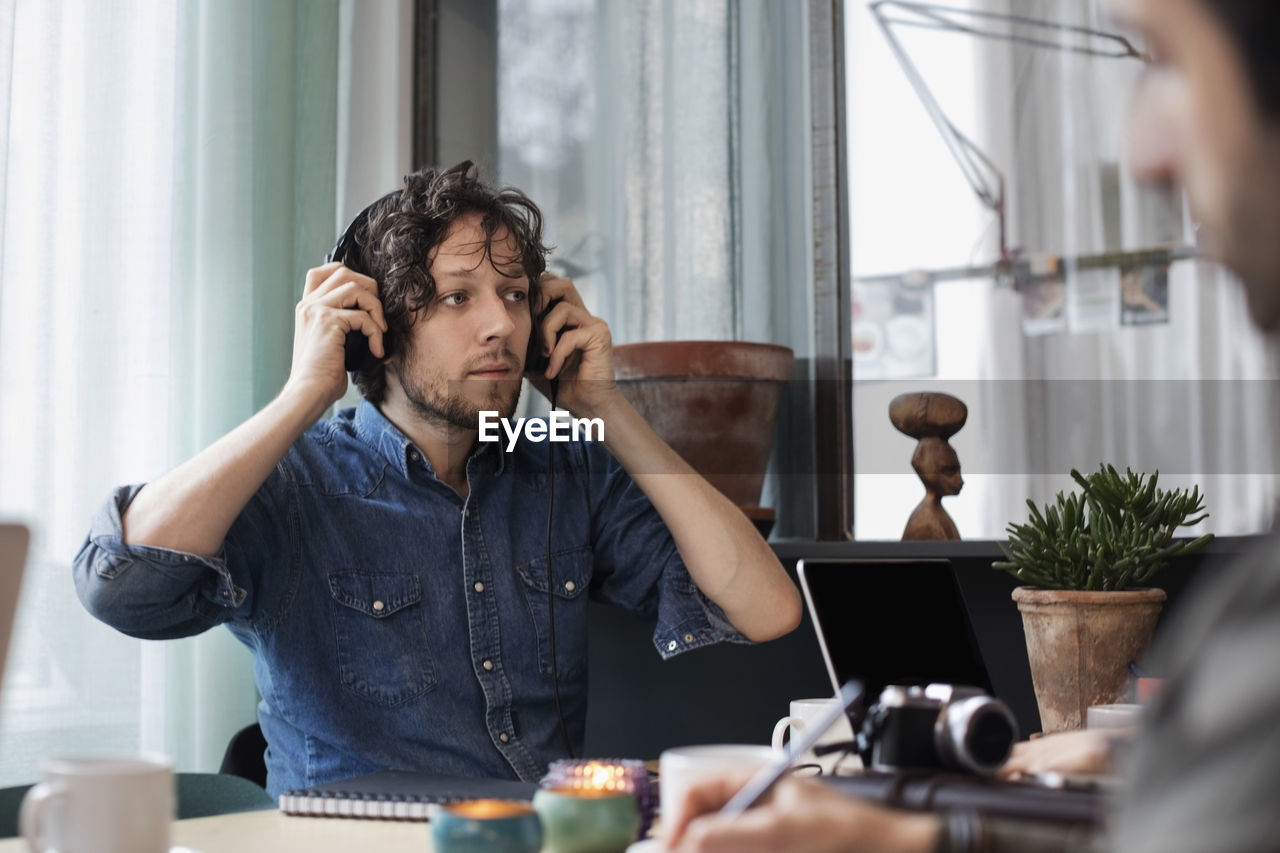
392 240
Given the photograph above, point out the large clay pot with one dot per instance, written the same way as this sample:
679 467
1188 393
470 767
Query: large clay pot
714 402
1080 645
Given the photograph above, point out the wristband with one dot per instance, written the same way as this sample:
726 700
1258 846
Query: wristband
962 832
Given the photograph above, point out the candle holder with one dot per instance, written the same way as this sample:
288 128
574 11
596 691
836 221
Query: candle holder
486 826
608 774
586 820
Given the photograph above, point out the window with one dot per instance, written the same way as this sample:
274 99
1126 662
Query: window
1178 385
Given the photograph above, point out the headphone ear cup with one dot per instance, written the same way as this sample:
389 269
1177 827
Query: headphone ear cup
534 360
358 355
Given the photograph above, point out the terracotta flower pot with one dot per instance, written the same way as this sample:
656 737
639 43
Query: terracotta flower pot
714 402
1080 645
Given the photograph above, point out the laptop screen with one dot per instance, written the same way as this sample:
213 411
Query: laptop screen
891 622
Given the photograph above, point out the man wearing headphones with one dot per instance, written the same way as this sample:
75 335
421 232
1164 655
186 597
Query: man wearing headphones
409 598
1204 773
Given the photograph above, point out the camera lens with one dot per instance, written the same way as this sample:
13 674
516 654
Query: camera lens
976 734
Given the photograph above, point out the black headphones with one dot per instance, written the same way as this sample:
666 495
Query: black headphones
358 356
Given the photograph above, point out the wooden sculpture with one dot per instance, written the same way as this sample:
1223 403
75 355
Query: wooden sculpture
931 418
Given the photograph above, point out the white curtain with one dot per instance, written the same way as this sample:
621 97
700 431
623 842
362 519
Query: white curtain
169 173
667 143
1192 398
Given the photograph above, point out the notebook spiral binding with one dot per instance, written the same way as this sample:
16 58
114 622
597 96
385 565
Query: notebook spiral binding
314 803
397 795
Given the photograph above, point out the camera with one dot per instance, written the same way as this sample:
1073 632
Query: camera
938 727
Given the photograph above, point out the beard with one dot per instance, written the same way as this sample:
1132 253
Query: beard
438 400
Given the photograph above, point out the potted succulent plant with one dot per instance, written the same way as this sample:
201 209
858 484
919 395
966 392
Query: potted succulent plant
1086 611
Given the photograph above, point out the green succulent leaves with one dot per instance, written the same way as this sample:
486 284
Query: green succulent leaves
1116 534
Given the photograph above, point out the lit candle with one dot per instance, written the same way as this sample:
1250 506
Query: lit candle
487 826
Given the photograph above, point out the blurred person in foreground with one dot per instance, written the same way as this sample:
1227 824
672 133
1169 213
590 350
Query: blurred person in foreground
1204 773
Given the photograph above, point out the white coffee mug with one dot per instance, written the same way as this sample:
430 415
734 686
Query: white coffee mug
807 712
681 767
1121 716
100 805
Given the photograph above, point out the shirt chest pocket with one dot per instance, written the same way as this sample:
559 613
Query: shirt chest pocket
380 631
570 577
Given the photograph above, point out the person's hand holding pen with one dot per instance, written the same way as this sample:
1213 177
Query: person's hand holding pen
769 811
797 816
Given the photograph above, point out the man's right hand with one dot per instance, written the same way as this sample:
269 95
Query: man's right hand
335 300
192 507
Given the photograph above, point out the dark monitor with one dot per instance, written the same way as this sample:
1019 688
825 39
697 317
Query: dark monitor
891 622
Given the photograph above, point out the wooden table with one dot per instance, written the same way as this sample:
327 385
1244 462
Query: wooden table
270 831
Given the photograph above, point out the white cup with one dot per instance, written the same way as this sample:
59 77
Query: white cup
807 712
681 767
1121 716
100 805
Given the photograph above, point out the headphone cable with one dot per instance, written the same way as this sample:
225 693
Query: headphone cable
551 597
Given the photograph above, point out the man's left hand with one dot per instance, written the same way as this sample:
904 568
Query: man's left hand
579 347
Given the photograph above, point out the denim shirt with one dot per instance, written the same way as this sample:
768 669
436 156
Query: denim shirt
395 625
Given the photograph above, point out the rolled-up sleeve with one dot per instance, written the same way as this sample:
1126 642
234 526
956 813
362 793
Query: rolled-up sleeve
639 568
157 593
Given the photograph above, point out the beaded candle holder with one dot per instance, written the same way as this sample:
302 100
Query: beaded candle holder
608 774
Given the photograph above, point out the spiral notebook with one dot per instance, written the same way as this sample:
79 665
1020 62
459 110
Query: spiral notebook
397 795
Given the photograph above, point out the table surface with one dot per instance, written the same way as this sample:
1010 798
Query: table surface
270 831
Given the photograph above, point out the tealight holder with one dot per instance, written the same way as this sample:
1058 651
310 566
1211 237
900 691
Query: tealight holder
583 820
486 826
608 774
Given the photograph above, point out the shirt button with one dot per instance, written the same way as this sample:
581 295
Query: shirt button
413 455
503 737
378 607
688 638
671 646
570 586
466 512
488 666
479 587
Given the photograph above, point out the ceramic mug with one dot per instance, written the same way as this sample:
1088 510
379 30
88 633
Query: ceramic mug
100 805
681 767
486 826
807 712
1119 716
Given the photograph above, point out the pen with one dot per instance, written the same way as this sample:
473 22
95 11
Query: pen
759 784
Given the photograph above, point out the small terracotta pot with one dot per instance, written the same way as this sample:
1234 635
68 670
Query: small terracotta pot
1080 645
714 402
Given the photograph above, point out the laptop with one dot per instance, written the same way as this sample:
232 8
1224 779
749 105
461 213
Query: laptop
14 539
891 622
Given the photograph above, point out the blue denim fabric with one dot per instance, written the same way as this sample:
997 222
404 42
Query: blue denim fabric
395 626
